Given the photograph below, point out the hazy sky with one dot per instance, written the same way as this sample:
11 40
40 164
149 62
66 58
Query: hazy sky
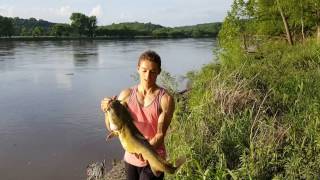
163 12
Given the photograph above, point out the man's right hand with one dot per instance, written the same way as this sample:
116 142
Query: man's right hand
105 103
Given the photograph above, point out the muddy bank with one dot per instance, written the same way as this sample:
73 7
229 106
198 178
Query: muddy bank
98 171
117 172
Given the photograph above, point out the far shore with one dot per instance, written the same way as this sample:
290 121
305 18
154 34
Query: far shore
55 38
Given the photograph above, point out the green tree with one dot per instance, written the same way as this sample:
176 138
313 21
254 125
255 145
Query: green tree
281 5
29 25
84 25
92 26
24 32
79 22
249 18
6 26
315 14
161 32
38 31
61 30
233 26
196 33
297 16
175 33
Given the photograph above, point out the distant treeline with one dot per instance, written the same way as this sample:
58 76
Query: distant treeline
148 29
24 27
84 26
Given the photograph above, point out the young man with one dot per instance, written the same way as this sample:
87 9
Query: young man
151 108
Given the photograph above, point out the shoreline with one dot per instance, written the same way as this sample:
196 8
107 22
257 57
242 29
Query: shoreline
54 38
116 172
99 171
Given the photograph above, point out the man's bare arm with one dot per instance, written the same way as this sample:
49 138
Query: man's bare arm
124 96
167 110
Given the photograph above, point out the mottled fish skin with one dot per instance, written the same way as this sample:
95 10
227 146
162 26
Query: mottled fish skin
132 140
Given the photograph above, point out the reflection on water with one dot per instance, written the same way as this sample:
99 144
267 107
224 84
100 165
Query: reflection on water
6 50
51 126
85 53
64 81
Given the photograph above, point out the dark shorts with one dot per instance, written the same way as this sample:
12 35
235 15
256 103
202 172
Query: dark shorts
140 173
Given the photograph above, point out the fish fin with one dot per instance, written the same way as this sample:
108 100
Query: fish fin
111 135
155 172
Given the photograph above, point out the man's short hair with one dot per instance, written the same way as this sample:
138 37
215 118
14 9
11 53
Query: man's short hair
150 56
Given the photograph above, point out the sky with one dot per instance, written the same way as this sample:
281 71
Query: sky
169 13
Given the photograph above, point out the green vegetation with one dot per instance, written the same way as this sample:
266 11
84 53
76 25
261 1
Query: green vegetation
256 113
6 28
158 31
83 26
26 27
59 30
127 29
259 120
201 30
256 19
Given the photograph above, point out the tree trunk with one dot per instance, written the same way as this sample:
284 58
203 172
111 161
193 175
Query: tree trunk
285 22
301 19
318 22
245 46
302 30
318 34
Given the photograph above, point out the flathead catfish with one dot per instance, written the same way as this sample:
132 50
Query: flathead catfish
120 122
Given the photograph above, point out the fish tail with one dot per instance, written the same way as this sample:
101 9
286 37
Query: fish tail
180 161
170 168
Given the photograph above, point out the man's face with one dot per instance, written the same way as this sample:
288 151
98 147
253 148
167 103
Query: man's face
148 72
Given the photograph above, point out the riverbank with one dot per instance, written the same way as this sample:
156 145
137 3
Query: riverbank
253 115
116 172
98 171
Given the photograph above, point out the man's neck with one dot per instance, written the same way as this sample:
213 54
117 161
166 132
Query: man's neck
147 89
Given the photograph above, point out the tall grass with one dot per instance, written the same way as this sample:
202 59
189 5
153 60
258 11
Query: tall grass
253 116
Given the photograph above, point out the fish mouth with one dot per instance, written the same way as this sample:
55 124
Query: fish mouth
113 127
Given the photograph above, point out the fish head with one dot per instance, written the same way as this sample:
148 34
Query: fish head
115 112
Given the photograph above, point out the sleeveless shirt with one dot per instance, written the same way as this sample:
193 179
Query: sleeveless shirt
145 118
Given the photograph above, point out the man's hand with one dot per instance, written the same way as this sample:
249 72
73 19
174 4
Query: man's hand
139 156
105 103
